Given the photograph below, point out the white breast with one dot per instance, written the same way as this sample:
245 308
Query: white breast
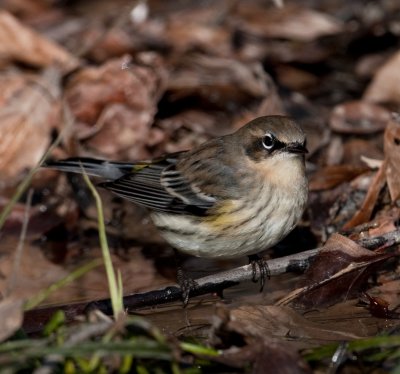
262 222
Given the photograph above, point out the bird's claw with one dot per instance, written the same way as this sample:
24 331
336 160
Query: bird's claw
261 263
187 286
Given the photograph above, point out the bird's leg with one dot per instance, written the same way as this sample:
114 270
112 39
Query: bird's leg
257 260
186 283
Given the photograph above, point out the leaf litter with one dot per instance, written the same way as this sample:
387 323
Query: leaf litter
167 81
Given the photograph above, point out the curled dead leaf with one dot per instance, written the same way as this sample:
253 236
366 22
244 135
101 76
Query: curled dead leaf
287 22
265 353
198 28
115 104
340 269
392 157
355 149
11 316
385 87
364 214
20 43
331 176
26 119
260 321
218 78
358 117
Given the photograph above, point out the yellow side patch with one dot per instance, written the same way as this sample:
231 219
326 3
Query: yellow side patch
139 167
224 215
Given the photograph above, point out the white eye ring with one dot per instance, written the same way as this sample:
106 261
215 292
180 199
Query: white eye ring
268 141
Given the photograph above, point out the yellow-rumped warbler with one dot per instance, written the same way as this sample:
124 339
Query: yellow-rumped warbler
231 196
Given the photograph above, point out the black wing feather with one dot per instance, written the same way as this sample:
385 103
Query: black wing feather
160 187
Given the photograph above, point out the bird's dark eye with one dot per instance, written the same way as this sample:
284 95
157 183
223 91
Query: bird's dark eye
268 141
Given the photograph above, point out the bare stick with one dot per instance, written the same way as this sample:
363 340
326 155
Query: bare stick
35 319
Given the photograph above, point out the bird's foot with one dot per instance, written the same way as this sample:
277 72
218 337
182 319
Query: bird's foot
186 284
261 263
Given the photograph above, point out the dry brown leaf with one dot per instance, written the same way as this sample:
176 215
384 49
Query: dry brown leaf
137 273
388 172
294 78
384 222
331 176
385 87
26 9
26 120
290 22
198 29
105 43
356 150
364 213
392 157
372 163
260 321
115 103
358 117
340 269
20 43
39 221
265 353
352 317
207 75
11 316
369 64
123 133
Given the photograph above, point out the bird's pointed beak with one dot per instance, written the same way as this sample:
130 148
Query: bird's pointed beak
296 148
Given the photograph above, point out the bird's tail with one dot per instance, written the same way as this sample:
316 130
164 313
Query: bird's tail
99 168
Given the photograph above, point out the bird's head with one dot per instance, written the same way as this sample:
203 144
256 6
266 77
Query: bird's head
272 138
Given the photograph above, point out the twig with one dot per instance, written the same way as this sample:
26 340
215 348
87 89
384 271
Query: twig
35 319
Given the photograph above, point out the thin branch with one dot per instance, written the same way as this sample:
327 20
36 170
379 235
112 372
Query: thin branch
299 262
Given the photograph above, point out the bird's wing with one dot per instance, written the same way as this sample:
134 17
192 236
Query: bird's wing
161 187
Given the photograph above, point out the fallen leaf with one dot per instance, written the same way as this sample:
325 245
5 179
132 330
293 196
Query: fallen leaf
198 28
385 87
392 157
358 117
137 273
369 64
286 22
388 172
218 78
372 163
27 9
379 307
105 43
331 176
190 128
364 213
11 316
339 271
260 321
27 118
20 43
39 221
384 222
265 353
123 132
355 149
294 78
115 104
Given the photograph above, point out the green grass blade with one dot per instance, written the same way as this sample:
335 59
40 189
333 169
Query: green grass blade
115 290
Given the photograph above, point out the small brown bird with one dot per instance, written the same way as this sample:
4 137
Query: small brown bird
229 197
